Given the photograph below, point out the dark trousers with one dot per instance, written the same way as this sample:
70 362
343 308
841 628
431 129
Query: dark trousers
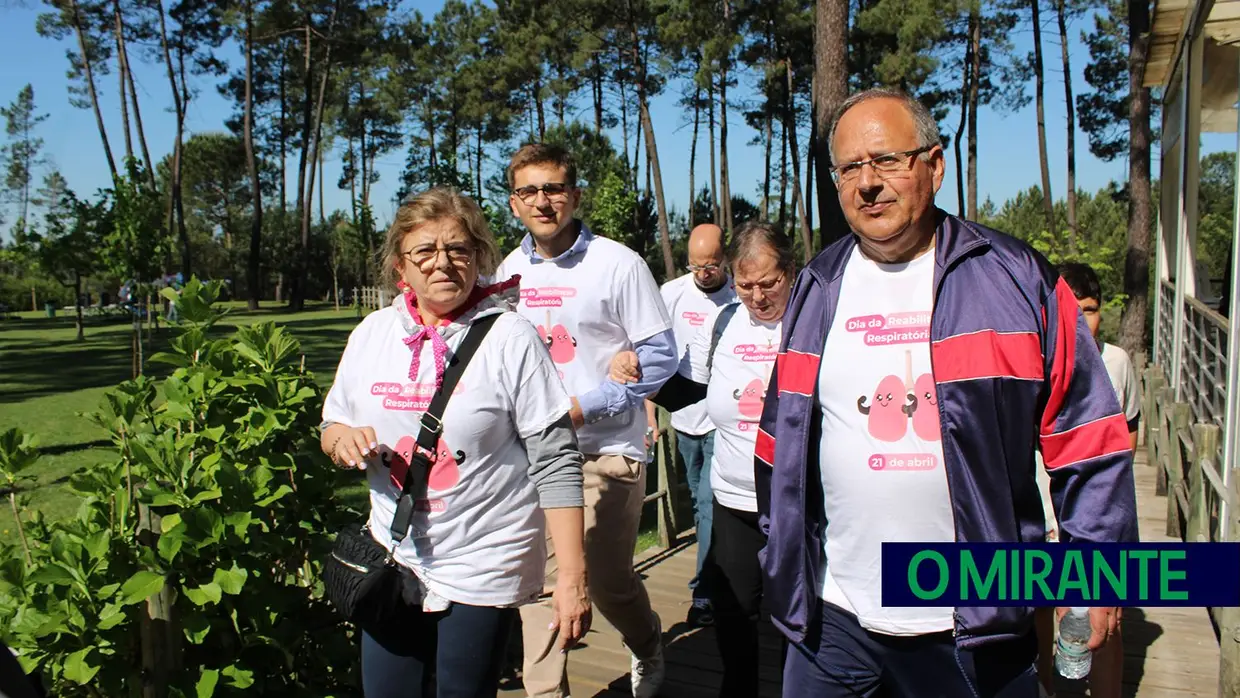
735 579
457 653
840 659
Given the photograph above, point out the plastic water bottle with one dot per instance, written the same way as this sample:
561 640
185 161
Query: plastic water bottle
1072 655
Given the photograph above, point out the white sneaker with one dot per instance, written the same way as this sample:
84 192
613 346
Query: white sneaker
647 674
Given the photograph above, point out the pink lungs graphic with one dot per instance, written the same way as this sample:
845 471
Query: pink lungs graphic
445 470
561 344
751 399
926 416
889 412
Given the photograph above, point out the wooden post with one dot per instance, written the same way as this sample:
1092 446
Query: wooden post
34 301
1180 415
1205 447
161 640
1229 618
1152 413
666 459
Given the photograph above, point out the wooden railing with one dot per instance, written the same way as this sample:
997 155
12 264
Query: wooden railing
1183 440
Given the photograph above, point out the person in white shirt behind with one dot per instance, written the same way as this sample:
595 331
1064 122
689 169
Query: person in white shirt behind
592 297
728 364
1106 675
691 299
506 470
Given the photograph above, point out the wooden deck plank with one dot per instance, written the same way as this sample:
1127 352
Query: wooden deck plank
1168 652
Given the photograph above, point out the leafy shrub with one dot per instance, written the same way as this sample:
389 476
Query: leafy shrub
194 558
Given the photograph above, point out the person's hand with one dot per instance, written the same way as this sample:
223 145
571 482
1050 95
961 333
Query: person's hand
570 604
575 414
354 447
624 368
1103 622
652 436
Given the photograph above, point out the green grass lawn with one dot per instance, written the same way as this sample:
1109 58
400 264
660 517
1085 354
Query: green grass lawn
48 380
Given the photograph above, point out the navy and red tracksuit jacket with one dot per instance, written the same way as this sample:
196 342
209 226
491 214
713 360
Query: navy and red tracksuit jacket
1015 370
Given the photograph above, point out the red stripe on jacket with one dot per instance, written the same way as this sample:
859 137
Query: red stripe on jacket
987 354
1106 436
797 372
1064 359
764 448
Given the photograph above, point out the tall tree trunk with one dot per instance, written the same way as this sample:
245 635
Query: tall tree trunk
975 57
697 118
1140 208
725 184
297 299
652 150
1062 12
1048 201
121 69
783 173
87 68
283 135
542 118
596 81
808 191
148 163
478 170
798 201
256 189
767 137
714 185
353 180
176 214
965 83
830 90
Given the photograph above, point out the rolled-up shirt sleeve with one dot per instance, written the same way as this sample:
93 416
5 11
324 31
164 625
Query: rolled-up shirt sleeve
555 465
657 359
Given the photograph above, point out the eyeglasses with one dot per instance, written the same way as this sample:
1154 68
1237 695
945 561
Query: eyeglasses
884 165
766 286
555 191
459 255
703 267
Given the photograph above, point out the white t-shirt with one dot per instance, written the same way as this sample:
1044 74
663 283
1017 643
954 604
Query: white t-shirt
881 453
1128 389
592 306
689 306
479 539
735 394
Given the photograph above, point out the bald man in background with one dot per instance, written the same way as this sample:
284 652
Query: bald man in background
690 300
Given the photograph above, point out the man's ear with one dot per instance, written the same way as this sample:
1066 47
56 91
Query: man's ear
512 204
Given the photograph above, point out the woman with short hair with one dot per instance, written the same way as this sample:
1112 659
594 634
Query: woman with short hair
506 468
729 364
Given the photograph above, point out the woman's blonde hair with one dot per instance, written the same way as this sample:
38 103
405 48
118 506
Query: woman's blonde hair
437 204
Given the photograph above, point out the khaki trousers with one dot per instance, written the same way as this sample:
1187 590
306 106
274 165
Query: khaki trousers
614 489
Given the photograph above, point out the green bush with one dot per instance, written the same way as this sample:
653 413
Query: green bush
195 555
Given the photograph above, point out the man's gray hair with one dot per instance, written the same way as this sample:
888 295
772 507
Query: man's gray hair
923 120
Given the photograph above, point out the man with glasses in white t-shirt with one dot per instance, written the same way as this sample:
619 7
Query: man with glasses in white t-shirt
691 299
590 298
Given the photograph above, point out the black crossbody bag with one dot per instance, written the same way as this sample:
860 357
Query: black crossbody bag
361 578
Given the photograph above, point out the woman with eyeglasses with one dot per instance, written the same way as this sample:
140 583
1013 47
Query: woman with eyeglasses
505 472
728 364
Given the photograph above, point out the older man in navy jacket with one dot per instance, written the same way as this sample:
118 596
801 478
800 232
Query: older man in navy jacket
924 360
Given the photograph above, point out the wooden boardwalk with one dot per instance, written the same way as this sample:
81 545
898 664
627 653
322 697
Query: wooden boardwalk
1169 652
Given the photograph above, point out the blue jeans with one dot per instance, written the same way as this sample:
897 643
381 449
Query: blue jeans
460 652
697 452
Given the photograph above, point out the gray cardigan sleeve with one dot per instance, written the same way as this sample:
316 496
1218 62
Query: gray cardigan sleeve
555 465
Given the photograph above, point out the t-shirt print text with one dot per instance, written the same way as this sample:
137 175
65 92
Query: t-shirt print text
546 297
896 328
695 319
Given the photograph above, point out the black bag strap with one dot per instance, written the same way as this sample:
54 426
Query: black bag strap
721 325
417 476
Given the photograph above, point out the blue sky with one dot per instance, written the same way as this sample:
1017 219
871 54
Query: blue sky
1007 149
